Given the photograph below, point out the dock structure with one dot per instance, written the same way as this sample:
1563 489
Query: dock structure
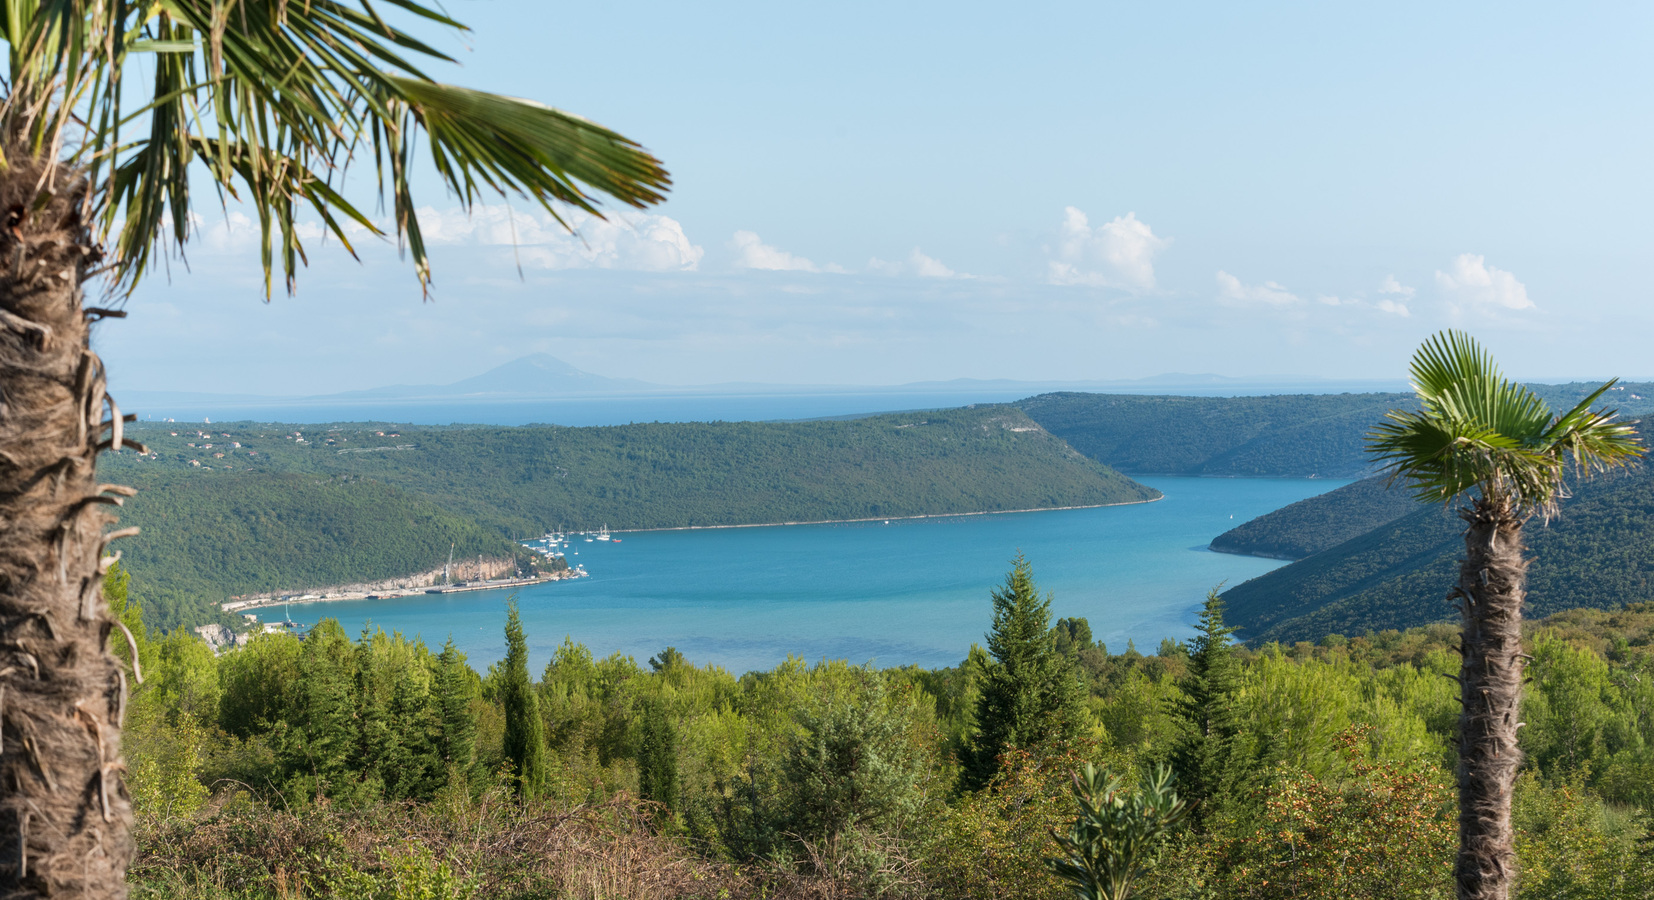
322 597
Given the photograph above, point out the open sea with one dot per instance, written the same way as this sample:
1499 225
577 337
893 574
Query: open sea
911 591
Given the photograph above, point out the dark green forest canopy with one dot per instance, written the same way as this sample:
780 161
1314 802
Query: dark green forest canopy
1597 553
206 539
1306 434
1286 434
233 507
1320 522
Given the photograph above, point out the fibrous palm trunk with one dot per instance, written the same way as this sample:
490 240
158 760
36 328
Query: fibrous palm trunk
64 812
1491 586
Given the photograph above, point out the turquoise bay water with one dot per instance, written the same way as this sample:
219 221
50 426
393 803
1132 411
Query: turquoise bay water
912 591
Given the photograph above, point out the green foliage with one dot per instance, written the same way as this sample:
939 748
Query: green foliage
852 767
1474 429
1206 759
525 741
1572 846
454 692
991 843
1384 832
1030 693
1115 839
657 755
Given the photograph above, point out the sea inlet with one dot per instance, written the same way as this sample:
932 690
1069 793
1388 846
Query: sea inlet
913 591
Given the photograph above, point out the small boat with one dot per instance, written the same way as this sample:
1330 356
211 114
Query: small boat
615 540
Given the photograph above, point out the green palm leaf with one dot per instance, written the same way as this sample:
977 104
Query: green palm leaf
277 99
1475 430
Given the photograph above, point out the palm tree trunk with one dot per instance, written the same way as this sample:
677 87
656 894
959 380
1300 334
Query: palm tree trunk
64 812
1492 578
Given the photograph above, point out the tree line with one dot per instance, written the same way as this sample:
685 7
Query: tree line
1308 770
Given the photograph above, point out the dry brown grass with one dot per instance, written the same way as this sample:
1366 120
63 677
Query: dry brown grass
488 848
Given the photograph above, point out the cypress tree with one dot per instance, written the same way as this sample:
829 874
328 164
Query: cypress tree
457 736
1205 758
525 732
377 751
321 748
413 769
1031 692
657 755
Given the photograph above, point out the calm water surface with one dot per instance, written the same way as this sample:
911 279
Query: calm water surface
912 591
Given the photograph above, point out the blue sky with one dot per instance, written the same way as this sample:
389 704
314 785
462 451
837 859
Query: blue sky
879 193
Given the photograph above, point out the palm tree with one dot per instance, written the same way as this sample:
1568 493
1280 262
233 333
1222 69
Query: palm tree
1476 433
273 100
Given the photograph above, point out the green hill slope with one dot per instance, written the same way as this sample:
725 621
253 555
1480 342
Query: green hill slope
530 479
205 539
1307 434
1319 523
1598 553
1286 434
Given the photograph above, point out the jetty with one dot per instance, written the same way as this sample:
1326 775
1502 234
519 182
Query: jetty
324 596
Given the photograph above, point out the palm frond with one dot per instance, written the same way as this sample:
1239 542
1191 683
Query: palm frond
277 99
1475 430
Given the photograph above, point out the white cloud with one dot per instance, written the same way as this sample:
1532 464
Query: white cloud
752 253
1393 296
1474 283
639 242
1117 254
1232 292
1395 288
917 264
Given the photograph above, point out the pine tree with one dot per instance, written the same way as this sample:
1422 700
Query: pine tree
377 735
525 732
1205 759
321 747
413 769
657 755
457 740
1031 693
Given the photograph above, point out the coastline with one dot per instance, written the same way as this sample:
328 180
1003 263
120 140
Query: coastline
325 595
985 512
1216 549
343 592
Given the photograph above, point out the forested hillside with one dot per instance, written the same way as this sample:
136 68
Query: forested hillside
1306 434
1319 523
229 508
1599 552
205 539
1286 434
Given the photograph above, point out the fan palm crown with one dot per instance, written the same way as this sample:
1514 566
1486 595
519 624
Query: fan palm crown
275 99
1475 429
